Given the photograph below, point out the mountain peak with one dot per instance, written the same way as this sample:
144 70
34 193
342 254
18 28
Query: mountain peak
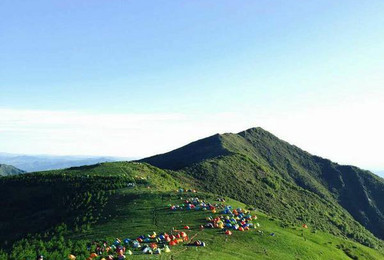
256 152
194 152
256 132
254 129
210 147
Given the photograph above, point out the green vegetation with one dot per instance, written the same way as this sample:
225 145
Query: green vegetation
254 166
56 213
107 209
77 196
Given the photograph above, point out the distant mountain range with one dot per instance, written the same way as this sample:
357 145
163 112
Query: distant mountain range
33 163
6 170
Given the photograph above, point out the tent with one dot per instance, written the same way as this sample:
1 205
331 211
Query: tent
147 250
136 244
166 249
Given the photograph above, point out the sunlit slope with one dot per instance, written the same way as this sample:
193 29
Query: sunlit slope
35 202
254 166
66 210
144 212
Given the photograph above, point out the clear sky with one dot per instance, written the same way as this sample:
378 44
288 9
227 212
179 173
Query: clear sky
135 78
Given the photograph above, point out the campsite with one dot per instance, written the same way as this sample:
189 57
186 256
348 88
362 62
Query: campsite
149 208
242 245
191 130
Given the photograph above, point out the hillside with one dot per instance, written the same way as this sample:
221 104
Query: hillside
254 166
65 212
6 170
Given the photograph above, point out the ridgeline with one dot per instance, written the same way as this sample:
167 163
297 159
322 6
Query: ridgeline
256 167
306 207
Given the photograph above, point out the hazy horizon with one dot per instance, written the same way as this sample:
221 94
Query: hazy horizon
134 79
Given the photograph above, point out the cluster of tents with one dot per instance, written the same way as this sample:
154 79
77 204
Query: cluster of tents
182 190
230 219
237 219
195 204
144 244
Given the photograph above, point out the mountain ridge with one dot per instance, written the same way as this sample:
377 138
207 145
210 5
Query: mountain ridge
298 198
195 151
279 159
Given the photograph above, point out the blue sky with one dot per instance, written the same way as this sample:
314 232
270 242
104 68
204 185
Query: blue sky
180 70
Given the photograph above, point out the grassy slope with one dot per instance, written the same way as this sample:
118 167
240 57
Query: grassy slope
358 191
280 198
255 157
142 212
37 201
195 152
126 212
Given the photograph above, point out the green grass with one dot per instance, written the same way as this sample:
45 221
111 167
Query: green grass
59 212
255 166
144 212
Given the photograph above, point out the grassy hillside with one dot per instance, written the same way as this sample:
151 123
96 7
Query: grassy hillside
210 147
255 165
65 211
231 176
35 202
358 191
6 170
